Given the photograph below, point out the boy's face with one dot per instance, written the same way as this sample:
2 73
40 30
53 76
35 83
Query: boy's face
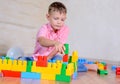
56 19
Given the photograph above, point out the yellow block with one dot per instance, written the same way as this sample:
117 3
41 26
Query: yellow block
48 76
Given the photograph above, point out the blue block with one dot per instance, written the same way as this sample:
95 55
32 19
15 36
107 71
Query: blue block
113 68
65 63
90 62
82 68
75 74
82 60
30 75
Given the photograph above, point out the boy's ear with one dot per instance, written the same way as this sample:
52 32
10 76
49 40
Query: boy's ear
47 16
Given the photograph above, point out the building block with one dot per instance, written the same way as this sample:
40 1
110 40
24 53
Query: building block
63 78
70 59
65 58
100 66
102 72
70 69
63 69
90 62
42 61
118 71
29 66
31 75
74 76
82 68
48 76
82 60
74 56
113 68
7 73
66 48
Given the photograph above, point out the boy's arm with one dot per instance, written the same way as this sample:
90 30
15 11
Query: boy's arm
52 54
59 47
46 42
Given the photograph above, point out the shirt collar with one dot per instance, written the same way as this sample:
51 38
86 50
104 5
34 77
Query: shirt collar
51 29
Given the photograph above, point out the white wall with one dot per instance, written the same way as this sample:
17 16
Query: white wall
94 26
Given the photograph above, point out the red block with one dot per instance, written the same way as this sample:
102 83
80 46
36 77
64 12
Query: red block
118 69
105 67
65 58
117 72
42 61
7 73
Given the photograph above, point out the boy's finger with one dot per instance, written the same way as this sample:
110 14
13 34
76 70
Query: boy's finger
63 47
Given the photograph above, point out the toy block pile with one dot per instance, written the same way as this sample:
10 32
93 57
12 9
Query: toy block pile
59 70
102 68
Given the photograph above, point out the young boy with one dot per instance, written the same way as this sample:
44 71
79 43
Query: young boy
52 36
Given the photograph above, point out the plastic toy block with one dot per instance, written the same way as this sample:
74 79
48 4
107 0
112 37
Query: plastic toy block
70 69
65 63
74 56
33 68
63 78
30 75
63 70
24 66
103 63
118 69
96 62
70 59
100 66
14 66
105 67
65 58
5 64
117 73
29 66
59 65
74 76
48 76
75 66
90 62
42 61
7 73
114 68
66 48
82 68
102 72
82 60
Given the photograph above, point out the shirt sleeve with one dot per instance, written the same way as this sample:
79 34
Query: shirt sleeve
42 32
64 35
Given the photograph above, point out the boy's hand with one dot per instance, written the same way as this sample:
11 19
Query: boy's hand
59 47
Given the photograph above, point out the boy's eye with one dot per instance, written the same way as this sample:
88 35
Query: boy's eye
56 18
62 19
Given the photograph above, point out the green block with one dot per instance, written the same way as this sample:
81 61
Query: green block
70 59
7 58
101 72
103 63
29 66
66 48
63 69
63 78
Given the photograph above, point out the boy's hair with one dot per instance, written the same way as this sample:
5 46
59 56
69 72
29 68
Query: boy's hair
57 6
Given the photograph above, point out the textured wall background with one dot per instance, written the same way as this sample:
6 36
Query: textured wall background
19 22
